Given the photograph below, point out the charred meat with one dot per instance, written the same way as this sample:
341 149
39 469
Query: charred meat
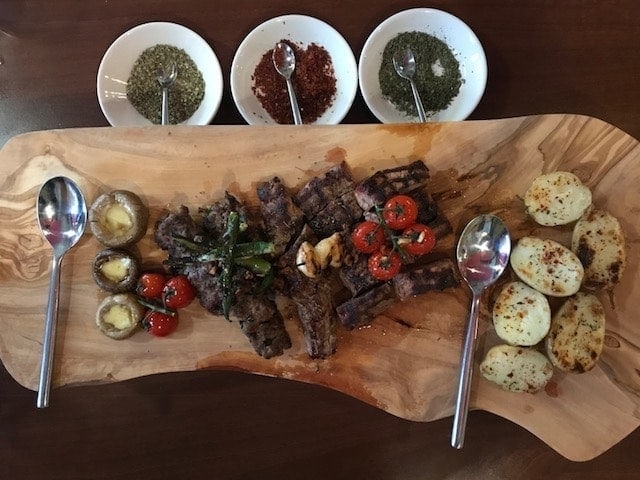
376 189
313 300
362 309
322 189
436 275
262 324
282 218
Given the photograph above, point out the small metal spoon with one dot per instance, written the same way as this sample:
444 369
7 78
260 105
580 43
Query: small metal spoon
284 60
405 64
62 217
166 78
483 254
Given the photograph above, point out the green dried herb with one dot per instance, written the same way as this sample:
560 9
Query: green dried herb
437 74
145 94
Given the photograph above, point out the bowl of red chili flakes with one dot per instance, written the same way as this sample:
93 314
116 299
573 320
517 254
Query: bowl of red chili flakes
325 78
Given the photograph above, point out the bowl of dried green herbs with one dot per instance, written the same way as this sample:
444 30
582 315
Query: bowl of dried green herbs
451 67
128 91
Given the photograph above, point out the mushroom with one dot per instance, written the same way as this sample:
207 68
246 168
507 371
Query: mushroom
116 270
118 218
119 315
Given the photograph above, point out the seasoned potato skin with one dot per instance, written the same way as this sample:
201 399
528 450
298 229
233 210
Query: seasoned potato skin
599 242
576 336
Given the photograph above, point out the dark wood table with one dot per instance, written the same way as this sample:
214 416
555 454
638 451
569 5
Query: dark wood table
580 56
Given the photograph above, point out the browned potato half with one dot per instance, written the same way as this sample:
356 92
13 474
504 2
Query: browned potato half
557 198
521 315
548 266
516 369
577 332
598 241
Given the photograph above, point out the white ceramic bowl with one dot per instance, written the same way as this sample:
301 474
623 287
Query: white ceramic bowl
450 29
119 58
302 30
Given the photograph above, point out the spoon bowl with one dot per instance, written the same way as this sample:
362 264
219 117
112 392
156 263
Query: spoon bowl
483 254
166 77
404 63
284 61
62 218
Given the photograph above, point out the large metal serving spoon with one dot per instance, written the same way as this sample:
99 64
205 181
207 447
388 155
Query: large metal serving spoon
483 254
62 217
284 61
405 64
166 77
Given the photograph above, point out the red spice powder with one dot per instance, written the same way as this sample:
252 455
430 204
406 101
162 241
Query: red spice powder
314 84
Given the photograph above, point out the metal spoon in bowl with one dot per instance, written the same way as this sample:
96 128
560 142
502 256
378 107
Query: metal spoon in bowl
166 78
62 217
284 60
405 64
483 254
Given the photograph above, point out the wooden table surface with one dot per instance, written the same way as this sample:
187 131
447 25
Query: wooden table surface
577 57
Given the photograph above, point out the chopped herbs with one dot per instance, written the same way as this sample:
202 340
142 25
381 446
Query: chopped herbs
437 74
145 94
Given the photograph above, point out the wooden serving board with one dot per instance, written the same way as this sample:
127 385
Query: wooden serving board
406 362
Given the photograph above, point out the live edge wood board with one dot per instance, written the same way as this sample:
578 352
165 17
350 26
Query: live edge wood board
406 362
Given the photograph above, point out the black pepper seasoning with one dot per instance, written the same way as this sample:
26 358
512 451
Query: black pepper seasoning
437 75
145 94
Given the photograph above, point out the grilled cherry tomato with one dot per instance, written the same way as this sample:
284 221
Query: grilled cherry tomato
384 264
368 237
150 285
159 324
178 292
418 239
400 212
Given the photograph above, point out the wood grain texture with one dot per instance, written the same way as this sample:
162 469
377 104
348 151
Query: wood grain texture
406 362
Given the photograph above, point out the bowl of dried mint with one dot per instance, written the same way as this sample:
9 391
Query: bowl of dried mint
128 91
451 67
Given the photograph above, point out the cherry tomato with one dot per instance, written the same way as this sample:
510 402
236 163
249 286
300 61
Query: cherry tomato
159 324
150 285
418 239
400 212
384 264
178 292
368 237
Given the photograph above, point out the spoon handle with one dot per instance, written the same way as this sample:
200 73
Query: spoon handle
297 119
165 106
466 373
48 343
416 96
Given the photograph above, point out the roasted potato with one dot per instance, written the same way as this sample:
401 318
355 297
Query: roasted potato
557 198
516 369
576 336
521 315
547 266
598 241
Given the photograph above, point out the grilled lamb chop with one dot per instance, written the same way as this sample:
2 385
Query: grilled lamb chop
178 223
321 190
377 188
282 218
437 275
313 300
339 214
215 216
361 310
258 315
354 272
262 324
